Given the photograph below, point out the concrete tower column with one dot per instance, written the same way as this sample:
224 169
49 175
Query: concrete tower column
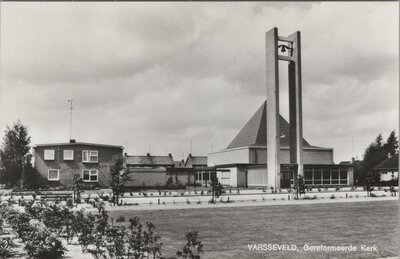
295 105
292 46
273 123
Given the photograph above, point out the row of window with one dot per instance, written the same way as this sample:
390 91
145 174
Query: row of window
325 177
88 156
87 175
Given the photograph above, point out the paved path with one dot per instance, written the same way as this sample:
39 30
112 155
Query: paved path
237 204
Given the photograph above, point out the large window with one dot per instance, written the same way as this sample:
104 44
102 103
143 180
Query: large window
343 176
90 156
90 175
335 176
317 176
53 175
326 177
308 175
68 155
49 154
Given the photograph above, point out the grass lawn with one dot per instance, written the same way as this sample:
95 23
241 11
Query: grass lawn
225 232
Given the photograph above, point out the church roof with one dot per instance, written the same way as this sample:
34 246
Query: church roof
254 133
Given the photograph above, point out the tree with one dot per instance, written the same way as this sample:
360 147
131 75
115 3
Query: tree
193 247
376 152
216 187
14 152
77 187
373 155
119 176
392 145
301 187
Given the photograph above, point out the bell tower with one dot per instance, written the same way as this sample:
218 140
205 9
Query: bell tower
279 48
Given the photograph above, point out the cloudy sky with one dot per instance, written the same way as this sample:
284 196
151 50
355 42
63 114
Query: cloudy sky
158 76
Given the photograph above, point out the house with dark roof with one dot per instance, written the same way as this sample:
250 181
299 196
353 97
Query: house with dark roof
388 169
149 161
200 177
246 158
148 170
196 161
58 163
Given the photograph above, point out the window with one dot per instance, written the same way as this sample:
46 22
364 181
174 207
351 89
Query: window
308 175
326 176
335 176
317 176
343 176
53 175
90 175
68 155
49 154
90 156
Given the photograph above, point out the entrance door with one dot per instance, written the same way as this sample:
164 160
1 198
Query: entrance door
287 179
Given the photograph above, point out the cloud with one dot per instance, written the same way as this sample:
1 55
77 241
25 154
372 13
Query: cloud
165 74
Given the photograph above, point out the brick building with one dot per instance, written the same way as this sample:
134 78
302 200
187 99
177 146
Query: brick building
148 170
58 163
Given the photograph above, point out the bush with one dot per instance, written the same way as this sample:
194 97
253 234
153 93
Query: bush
6 246
193 247
116 237
43 244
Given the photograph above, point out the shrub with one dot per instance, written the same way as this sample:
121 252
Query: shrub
116 237
42 243
333 197
142 241
6 246
20 223
193 247
120 219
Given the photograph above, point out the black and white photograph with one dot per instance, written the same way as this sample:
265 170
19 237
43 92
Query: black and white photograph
199 129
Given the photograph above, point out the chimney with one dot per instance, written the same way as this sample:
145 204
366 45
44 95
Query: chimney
125 154
190 155
72 141
148 154
169 155
353 160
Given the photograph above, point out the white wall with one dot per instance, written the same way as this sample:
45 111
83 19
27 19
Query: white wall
258 155
232 156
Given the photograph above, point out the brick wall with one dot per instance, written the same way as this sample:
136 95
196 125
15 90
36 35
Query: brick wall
147 177
67 169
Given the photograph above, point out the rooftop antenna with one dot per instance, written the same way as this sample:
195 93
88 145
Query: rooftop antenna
126 146
191 146
70 117
352 146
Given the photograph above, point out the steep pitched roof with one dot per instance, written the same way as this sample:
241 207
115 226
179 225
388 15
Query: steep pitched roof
388 163
196 161
149 160
254 133
179 164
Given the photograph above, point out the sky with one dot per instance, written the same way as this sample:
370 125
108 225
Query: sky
185 77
